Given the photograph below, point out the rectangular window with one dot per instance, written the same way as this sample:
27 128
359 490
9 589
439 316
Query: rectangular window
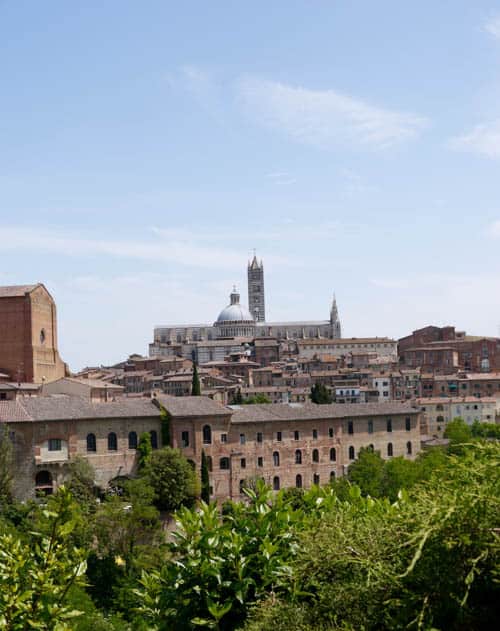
55 444
259 437
278 436
296 435
223 438
315 433
185 439
408 423
243 463
260 461
350 427
242 439
330 432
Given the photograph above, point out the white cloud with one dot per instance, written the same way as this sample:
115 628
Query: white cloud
326 118
492 26
168 247
483 139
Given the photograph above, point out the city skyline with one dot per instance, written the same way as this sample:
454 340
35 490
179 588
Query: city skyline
357 152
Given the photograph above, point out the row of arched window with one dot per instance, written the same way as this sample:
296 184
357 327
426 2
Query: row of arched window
390 450
224 462
113 441
298 481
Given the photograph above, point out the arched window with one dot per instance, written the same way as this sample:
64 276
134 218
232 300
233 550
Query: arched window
207 435
298 456
276 483
316 478
132 440
91 442
370 427
298 481
154 439
389 425
209 463
389 449
351 453
43 482
333 454
112 442
276 458
408 448
224 463
315 455
332 476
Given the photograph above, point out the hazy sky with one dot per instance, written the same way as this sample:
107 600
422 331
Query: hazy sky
147 147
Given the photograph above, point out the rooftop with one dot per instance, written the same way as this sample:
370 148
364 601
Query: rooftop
13 291
192 406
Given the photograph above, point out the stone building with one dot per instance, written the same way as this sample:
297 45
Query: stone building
28 334
437 412
238 323
47 432
382 346
287 445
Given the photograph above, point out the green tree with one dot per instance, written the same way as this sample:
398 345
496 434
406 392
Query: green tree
165 426
36 575
172 478
144 450
459 434
221 567
205 478
320 394
398 473
255 399
81 482
195 383
6 467
367 472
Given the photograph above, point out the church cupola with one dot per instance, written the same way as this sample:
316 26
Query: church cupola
234 296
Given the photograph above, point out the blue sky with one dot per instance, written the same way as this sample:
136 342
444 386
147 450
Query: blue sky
147 148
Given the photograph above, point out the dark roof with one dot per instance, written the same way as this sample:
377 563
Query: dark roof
13 291
311 411
63 407
192 406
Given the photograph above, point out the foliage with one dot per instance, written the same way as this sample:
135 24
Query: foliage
459 434
255 399
195 383
144 450
165 420
320 394
5 467
220 567
81 482
429 560
367 472
172 478
485 430
205 479
36 576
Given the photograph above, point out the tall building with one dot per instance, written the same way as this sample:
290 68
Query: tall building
334 320
28 334
256 298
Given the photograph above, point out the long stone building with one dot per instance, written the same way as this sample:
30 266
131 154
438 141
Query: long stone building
287 445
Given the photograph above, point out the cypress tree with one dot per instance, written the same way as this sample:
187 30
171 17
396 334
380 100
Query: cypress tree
205 480
165 427
195 384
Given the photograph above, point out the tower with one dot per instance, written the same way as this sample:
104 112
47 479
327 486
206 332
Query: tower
256 299
334 320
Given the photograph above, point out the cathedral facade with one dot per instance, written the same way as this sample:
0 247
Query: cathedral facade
236 322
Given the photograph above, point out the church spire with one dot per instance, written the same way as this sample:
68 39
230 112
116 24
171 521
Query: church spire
256 297
336 329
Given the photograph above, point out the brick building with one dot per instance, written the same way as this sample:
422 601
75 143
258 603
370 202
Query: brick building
445 350
28 334
287 445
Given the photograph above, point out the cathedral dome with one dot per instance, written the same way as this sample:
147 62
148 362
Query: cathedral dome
235 312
